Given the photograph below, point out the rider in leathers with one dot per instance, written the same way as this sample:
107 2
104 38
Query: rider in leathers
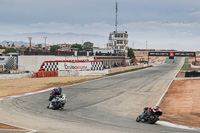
149 110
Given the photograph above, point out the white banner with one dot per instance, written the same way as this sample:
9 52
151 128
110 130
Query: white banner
74 66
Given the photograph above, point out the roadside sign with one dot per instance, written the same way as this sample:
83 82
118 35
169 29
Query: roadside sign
158 53
184 54
171 54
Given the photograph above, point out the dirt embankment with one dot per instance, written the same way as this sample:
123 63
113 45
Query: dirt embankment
5 126
181 103
181 75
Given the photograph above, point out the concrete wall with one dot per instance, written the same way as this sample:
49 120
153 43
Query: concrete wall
193 66
33 63
75 73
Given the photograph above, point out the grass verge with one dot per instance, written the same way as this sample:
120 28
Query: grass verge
188 69
167 60
67 83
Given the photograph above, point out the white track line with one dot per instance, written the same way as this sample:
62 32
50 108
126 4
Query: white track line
164 123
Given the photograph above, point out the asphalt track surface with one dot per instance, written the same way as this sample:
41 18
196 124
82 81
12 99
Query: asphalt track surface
107 105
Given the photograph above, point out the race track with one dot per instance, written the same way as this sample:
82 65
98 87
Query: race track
107 105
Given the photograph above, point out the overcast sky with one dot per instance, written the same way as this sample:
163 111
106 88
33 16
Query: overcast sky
164 24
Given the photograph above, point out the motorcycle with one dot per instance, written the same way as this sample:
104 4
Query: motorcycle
57 102
55 92
149 116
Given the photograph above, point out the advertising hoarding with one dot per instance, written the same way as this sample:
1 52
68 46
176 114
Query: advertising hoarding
159 53
183 54
74 66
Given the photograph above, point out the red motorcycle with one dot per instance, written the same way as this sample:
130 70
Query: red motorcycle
150 115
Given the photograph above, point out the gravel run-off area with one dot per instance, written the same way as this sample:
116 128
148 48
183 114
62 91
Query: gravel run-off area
181 103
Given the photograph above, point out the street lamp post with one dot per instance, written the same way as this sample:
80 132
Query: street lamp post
146 46
147 53
45 40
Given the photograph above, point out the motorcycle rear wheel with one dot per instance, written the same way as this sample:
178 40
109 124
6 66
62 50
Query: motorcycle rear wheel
57 106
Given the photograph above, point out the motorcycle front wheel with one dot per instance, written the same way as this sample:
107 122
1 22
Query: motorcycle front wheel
138 119
153 119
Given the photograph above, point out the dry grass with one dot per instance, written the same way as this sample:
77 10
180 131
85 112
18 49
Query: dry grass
19 86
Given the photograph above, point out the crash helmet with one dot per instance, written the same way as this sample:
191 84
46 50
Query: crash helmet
59 90
156 107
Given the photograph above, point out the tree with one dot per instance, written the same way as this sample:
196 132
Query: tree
10 50
1 47
54 48
131 54
87 48
79 46
13 44
88 44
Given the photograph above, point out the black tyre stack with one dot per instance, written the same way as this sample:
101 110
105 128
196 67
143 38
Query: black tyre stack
192 74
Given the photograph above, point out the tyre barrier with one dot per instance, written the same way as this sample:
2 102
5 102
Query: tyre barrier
192 74
41 74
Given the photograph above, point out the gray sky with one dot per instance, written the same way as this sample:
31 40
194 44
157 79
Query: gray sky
165 24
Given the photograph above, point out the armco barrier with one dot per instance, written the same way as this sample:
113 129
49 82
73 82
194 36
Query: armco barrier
41 74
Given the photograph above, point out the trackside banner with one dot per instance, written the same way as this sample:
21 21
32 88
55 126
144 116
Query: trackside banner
171 54
184 54
74 66
159 53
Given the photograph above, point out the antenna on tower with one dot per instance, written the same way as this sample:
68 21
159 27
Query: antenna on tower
29 38
116 22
